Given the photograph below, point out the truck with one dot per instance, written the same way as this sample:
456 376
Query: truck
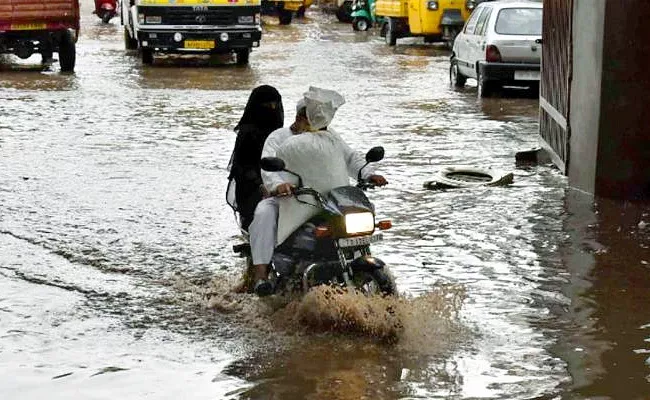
191 27
45 27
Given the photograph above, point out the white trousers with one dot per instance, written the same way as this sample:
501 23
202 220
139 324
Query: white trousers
263 230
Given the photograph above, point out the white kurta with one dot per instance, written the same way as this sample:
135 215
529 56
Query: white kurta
324 161
271 145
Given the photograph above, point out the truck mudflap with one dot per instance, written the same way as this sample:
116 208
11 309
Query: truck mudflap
220 41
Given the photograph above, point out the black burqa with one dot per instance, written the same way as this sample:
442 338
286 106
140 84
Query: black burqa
258 121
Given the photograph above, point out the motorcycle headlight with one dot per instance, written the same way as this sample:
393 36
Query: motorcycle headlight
359 223
432 4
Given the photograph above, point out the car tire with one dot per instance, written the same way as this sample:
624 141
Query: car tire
391 35
485 88
455 76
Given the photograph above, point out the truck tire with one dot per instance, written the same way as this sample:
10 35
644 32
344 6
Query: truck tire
391 34
301 12
343 13
147 56
129 43
285 17
67 52
242 56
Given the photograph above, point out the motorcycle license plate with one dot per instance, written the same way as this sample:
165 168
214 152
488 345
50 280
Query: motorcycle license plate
199 44
360 240
28 27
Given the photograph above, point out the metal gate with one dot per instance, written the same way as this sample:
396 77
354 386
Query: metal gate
556 80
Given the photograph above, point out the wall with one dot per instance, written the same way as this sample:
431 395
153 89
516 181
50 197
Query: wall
624 144
584 114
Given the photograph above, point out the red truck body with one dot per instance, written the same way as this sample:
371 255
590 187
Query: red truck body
17 15
28 27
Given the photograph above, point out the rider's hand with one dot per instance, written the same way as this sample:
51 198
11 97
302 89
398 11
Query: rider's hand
284 189
377 180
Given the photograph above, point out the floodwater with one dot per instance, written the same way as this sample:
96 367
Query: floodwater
116 241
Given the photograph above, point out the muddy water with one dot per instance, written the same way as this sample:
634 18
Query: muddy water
116 240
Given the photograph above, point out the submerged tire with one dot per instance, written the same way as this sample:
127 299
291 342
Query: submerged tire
360 24
242 56
129 43
106 18
391 35
457 79
343 13
485 88
285 17
67 52
147 56
375 282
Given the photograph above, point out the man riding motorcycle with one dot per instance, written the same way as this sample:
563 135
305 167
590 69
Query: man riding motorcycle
321 158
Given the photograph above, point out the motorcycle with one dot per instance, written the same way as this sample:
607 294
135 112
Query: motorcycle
105 10
333 247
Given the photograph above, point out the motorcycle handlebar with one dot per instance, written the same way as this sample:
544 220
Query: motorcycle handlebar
364 184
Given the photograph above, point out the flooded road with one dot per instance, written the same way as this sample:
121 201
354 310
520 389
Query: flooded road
116 241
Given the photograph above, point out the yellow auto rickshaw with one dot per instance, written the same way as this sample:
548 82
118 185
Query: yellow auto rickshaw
435 20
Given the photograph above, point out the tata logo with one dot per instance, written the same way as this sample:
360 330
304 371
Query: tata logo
201 19
200 8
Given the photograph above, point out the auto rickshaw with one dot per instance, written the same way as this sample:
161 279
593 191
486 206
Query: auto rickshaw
435 20
364 16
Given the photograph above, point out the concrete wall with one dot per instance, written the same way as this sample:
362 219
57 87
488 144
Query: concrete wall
610 98
584 118
624 145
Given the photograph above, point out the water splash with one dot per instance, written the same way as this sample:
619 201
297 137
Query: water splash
421 323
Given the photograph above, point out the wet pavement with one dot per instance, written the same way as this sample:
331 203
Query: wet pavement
116 240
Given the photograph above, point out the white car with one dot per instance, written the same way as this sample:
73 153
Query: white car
500 45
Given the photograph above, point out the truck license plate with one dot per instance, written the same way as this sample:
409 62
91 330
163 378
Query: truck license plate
199 44
527 75
360 240
28 27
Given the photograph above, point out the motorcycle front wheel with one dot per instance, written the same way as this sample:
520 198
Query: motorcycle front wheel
376 282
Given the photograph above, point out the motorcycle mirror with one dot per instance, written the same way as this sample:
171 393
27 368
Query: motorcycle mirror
375 154
272 164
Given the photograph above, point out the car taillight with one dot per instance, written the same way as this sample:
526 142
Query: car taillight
492 54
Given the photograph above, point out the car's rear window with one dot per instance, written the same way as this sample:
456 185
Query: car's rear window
519 21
